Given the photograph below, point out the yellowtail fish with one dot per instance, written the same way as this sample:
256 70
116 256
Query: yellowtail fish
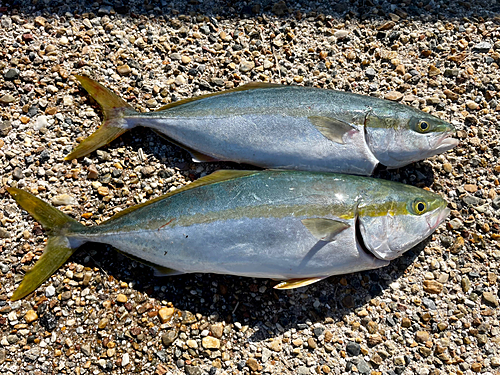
297 227
282 127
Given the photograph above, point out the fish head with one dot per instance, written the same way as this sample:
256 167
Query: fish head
392 225
404 135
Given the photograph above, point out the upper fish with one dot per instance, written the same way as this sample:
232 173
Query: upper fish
282 127
298 227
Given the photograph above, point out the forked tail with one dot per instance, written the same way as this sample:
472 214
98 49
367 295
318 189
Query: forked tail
112 127
58 248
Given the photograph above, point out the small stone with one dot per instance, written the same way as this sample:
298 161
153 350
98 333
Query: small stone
495 361
217 330
275 345
185 59
363 367
312 343
246 66
64 200
103 190
422 336
125 359
448 168
386 26
11 74
399 360
210 342
374 340
253 364
476 367
30 316
341 34
394 96
168 338
434 71
370 73
103 323
50 291
482 46
165 314
192 370
7 99
472 105
400 69
353 348
121 298
490 299
192 344
5 128
450 95
123 69
433 286
279 8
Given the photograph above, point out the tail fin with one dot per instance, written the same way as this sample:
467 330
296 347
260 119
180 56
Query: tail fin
112 127
58 248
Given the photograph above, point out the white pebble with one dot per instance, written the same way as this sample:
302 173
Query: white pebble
50 291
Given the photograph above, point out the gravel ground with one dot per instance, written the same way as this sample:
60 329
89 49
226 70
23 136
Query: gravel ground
433 311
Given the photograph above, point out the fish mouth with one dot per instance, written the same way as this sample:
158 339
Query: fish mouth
433 221
446 142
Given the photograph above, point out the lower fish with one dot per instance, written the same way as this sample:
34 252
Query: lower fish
297 227
282 127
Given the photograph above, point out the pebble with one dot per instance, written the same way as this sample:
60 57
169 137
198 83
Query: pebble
30 316
353 348
64 200
246 66
124 70
7 99
490 299
433 286
50 291
165 314
394 96
168 338
210 342
121 298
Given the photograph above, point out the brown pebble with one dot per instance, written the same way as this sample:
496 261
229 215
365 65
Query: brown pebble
217 330
328 336
433 71
471 188
103 190
275 345
165 314
185 60
450 94
433 286
253 364
394 96
422 336
374 340
24 119
30 316
121 298
209 342
312 343
51 111
93 173
386 26
476 367
103 323
447 167
124 69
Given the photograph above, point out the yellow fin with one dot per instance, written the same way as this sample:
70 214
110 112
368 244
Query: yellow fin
324 229
297 283
56 253
217 176
58 248
112 127
248 86
331 128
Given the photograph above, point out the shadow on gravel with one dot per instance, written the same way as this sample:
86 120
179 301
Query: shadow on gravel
342 9
253 302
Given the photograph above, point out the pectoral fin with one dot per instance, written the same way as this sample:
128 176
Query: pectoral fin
297 283
331 128
324 229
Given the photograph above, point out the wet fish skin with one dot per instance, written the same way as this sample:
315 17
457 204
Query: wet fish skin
294 226
282 127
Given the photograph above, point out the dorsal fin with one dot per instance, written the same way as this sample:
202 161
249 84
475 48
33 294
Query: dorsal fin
246 87
217 176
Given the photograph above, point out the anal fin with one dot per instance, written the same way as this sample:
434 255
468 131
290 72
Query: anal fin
297 283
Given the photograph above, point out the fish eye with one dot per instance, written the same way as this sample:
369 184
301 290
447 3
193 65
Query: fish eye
423 126
419 207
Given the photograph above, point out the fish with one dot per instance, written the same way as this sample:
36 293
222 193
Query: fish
275 126
293 226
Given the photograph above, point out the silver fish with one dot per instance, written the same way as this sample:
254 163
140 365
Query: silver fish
299 227
282 127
